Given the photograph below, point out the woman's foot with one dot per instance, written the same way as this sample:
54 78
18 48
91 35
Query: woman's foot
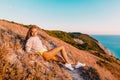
79 65
69 66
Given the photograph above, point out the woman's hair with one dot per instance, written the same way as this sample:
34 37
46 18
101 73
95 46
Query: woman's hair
29 32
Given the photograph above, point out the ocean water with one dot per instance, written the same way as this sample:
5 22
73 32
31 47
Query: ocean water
111 42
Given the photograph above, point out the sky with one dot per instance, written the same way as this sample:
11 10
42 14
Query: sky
85 16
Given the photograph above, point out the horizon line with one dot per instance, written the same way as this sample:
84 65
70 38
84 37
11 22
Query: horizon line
90 33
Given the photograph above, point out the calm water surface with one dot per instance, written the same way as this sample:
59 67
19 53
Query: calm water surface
112 42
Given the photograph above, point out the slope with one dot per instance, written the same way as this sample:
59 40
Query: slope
12 37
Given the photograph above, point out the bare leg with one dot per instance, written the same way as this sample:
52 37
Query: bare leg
59 59
52 53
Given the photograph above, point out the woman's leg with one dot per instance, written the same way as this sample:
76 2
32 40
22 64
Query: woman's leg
52 53
58 58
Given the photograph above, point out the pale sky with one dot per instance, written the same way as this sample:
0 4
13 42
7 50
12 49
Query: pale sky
86 16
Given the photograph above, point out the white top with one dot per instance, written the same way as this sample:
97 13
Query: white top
34 44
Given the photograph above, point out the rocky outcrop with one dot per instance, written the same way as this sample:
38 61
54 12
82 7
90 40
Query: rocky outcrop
79 41
105 49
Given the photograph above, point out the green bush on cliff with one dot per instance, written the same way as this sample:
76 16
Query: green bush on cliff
65 37
89 42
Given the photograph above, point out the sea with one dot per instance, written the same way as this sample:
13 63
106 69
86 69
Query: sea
111 42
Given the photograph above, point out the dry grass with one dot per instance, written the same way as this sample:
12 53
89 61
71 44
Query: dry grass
16 64
19 65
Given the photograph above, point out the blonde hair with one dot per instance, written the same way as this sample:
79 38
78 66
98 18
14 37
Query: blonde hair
29 32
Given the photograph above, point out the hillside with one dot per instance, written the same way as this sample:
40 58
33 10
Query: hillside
16 64
83 42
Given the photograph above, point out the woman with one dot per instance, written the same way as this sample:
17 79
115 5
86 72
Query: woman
34 44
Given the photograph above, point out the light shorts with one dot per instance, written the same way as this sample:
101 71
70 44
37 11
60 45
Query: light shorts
42 51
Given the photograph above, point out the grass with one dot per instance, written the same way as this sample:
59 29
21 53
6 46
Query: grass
3 52
111 67
65 37
89 42
12 71
27 26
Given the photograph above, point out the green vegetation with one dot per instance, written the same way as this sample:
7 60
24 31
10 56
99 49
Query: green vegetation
66 37
92 45
104 56
16 64
27 26
89 42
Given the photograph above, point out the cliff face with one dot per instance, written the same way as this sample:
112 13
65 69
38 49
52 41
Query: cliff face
105 49
17 64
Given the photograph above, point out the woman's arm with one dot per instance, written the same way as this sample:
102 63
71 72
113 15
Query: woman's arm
48 47
28 45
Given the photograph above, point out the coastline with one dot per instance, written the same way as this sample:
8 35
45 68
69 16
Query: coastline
111 42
